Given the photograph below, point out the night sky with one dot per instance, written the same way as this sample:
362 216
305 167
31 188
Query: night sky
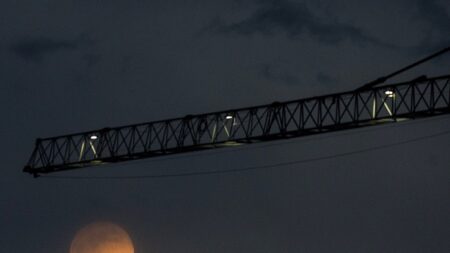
71 66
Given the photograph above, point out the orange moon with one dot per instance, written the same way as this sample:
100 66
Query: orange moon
102 237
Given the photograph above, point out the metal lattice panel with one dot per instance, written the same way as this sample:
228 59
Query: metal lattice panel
420 98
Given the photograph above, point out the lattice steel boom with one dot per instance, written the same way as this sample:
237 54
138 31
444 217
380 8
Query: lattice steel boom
422 97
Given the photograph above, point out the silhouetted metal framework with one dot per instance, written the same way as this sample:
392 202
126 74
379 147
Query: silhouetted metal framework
422 97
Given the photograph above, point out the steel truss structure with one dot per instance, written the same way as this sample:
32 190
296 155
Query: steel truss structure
422 97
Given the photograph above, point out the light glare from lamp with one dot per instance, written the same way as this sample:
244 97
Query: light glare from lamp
389 93
94 137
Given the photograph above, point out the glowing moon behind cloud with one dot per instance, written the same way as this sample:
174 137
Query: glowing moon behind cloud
102 237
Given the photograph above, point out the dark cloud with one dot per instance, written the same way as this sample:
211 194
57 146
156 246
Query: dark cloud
92 59
325 79
294 19
275 74
35 49
437 37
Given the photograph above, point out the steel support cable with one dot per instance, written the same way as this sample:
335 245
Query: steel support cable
254 168
417 63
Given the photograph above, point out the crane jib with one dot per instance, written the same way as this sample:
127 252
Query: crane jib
423 97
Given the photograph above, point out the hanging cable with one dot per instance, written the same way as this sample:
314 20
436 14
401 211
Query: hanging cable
252 168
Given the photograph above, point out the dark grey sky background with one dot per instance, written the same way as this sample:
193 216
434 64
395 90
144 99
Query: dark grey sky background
70 66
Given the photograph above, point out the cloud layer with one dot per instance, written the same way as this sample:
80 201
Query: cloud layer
294 19
35 49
